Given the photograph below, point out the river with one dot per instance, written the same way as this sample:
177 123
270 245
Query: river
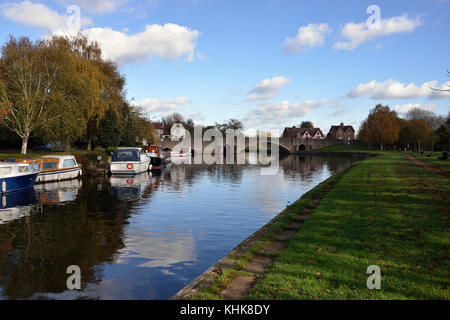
144 237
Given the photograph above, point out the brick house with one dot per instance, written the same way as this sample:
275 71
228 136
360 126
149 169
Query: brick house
341 132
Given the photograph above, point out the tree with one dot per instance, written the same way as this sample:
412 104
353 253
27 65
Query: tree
28 73
232 124
381 126
415 132
443 136
108 130
306 124
171 118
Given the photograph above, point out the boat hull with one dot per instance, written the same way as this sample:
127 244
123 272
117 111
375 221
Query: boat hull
17 183
59 175
129 167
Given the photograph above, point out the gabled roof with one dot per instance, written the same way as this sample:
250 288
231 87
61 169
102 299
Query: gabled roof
333 129
312 131
290 132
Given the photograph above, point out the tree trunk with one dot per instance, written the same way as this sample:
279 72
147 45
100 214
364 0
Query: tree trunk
67 147
89 144
24 145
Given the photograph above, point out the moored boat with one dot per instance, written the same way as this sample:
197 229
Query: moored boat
157 158
16 176
55 168
129 161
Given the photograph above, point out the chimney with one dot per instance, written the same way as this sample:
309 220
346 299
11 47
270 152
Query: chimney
342 124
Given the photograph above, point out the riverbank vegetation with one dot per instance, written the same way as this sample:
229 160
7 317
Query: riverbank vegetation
61 90
384 211
419 129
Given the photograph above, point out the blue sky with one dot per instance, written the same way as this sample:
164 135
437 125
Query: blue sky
269 63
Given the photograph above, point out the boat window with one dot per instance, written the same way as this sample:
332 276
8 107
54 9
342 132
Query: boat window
24 169
69 163
5 170
126 155
50 165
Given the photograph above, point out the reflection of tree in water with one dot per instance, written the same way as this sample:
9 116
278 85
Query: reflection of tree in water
182 175
36 250
306 167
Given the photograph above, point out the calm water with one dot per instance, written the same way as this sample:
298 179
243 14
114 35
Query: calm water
144 237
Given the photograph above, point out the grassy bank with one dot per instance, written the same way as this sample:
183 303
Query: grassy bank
384 211
433 160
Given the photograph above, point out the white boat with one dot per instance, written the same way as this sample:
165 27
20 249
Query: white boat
54 168
58 168
129 161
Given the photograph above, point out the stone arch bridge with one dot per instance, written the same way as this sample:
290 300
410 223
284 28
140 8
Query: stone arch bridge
286 145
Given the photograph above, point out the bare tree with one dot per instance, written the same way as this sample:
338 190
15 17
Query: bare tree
27 75
443 90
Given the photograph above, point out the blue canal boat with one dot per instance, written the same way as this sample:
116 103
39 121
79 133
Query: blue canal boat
16 176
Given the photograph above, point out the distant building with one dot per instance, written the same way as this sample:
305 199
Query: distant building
177 131
290 132
303 133
341 132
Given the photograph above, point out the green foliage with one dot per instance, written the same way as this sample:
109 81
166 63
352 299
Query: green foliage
306 124
109 134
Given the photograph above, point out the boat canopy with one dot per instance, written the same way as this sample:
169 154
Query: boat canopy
126 155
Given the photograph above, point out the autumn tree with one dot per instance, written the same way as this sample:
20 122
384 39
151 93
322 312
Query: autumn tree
28 74
381 127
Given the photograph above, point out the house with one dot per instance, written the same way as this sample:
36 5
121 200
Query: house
303 133
177 131
341 132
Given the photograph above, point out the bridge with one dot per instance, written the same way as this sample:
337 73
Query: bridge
286 145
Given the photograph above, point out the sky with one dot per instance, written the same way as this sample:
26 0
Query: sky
268 63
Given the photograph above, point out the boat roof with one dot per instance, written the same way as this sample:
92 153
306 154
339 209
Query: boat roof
60 157
128 148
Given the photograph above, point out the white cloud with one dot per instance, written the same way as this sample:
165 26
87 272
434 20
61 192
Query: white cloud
358 33
37 15
281 112
268 88
309 36
169 41
403 109
165 106
391 89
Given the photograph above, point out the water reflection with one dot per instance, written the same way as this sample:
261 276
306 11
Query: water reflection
141 237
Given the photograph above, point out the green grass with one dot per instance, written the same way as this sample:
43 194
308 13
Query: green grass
433 160
385 211
343 148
